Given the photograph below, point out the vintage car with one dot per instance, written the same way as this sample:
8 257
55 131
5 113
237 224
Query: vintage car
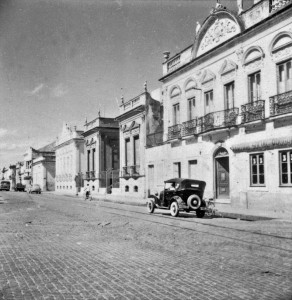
180 194
34 189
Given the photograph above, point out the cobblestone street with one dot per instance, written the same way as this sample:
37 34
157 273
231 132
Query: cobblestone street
58 247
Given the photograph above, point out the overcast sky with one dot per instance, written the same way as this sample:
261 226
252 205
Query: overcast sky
63 60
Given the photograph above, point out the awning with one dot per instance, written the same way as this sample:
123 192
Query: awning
262 145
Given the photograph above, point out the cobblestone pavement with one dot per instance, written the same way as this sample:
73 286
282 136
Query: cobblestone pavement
57 247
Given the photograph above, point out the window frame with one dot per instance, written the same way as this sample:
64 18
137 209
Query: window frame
286 82
176 113
226 100
251 174
191 108
205 100
251 98
289 168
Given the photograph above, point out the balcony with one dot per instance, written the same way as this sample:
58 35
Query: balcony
253 111
131 171
278 4
190 127
219 119
281 104
174 132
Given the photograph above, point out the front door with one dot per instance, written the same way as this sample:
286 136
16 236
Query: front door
222 177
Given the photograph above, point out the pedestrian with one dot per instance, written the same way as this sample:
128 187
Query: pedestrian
87 192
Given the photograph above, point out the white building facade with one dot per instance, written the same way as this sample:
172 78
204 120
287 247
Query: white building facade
228 109
141 125
70 160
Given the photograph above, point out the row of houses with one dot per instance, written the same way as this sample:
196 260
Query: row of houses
223 114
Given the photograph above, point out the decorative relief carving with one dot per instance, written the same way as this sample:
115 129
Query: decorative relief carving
220 31
239 53
257 14
254 64
228 75
282 53
207 84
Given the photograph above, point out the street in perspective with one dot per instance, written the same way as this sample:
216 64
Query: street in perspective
61 247
146 150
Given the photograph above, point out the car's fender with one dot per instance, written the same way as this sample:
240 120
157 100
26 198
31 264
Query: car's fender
153 199
180 202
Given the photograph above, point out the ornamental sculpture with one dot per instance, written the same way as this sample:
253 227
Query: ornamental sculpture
220 30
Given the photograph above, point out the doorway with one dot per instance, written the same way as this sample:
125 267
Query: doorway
222 174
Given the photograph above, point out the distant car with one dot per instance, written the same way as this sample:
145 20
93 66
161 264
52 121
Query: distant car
5 185
20 187
180 194
34 189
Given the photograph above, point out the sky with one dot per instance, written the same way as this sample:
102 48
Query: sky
64 60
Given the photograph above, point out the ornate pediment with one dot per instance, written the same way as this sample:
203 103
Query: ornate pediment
220 31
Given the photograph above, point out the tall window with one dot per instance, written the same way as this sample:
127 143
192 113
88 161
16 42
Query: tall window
254 86
285 77
208 101
177 170
257 169
128 152
93 159
88 160
229 95
286 167
176 117
136 150
191 108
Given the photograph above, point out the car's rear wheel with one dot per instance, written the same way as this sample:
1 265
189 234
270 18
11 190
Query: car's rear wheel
200 213
174 211
150 207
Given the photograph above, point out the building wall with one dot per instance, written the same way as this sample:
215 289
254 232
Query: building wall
69 163
233 62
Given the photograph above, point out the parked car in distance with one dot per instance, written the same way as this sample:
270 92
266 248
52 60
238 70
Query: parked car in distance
35 188
20 187
5 185
180 194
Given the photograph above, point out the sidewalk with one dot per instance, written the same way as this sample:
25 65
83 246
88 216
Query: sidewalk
223 210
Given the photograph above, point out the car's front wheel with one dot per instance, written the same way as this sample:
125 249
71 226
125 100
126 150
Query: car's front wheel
150 207
174 211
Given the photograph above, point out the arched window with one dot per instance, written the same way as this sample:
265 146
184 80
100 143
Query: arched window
175 94
191 92
126 188
136 188
253 58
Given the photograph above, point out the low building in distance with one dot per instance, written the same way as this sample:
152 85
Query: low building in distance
70 160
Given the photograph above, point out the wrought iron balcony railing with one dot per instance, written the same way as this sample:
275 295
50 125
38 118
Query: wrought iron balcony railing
189 127
218 119
277 4
126 171
253 111
281 104
131 171
87 175
174 132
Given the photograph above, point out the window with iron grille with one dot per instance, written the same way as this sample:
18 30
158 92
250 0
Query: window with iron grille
257 169
286 168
